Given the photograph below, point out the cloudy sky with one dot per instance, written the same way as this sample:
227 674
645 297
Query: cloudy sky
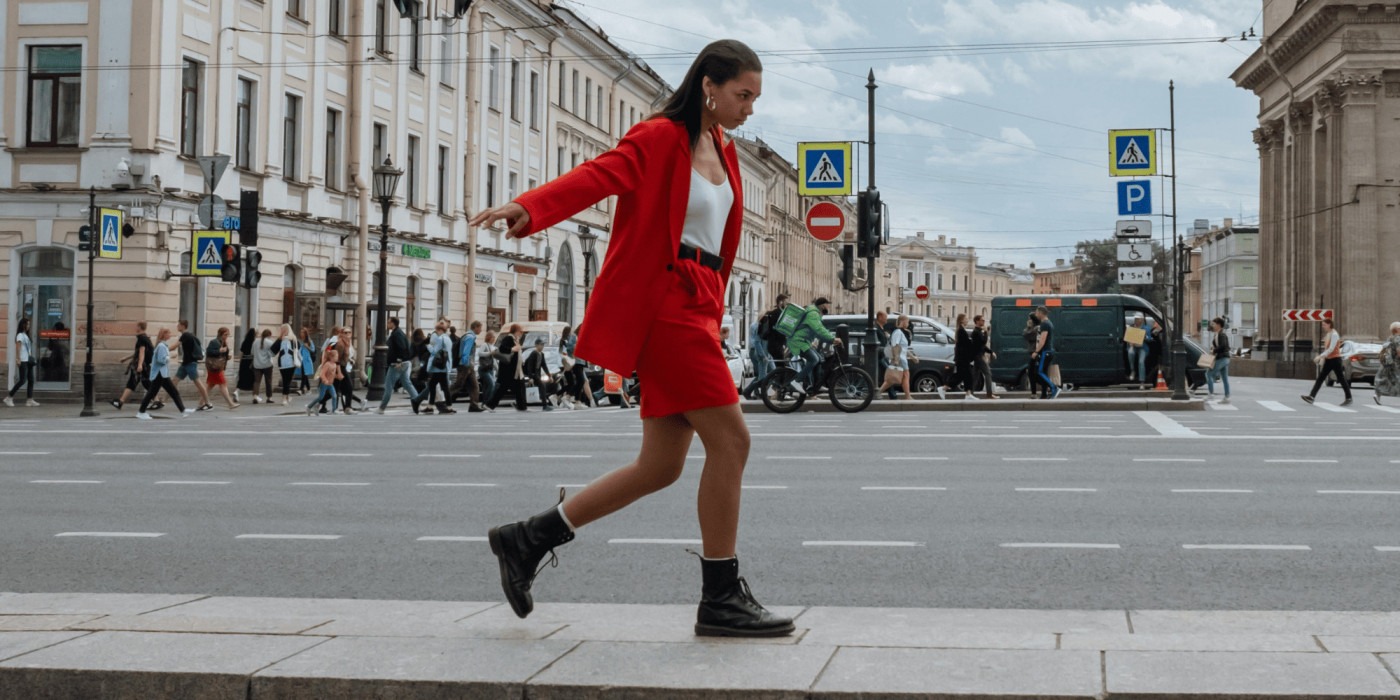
992 115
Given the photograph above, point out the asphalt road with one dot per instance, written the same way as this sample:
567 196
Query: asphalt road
1264 504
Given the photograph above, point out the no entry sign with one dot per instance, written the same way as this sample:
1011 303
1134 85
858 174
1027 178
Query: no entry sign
921 292
825 221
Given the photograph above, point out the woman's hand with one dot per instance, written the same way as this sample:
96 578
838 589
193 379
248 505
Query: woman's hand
516 218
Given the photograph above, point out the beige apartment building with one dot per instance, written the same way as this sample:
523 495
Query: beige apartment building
1327 74
1060 278
954 279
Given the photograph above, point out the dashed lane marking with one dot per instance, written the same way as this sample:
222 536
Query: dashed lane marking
465 485
1057 545
329 483
451 538
340 454
1347 492
23 454
1167 459
859 543
441 456
1212 491
111 534
194 483
1040 489
1300 461
1386 548
66 481
1035 459
903 488
232 454
916 459
1251 547
261 536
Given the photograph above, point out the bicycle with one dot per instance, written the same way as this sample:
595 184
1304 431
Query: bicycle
849 387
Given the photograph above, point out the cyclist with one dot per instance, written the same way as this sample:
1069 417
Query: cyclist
800 343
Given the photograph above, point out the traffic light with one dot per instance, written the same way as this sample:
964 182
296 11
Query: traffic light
232 267
869 229
248 217
848 267
85 241
251 274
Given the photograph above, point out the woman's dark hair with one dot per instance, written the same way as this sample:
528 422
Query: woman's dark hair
23 326
721 62
1219 322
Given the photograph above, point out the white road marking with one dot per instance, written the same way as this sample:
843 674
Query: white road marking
799 457
21 454
1222 407
1212 491
1057 545
286 537
1383 548
432 456
450 538
695 456
110 534
650 540
916 459
1300 461
329 483
1035 459
66 481
1276 406
1166 459
1037 489
232 454
561 456
484 486
1334 409
569 486
340 454
763 488
1165 425
1386 409
859 543
121 454
1345 492
195 483
903 488
1259 547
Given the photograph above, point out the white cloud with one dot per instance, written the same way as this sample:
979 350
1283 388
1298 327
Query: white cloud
1012 146
936 78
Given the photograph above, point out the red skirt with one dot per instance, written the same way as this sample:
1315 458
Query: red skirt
682 366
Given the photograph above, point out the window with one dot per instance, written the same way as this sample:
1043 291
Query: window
381 26
602 113
294 8
574 92
940 286
515 90
559 163
442 299
911 280
291 137
335 15
490 186
55 95
510 309
415 44
445 63
411 171
191 120
380 134
561 84
512 186
588 100
534 100
621 115
243 149
493 87
332 174
444 207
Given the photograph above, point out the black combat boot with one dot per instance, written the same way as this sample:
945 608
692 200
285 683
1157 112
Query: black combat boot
728 608
521 546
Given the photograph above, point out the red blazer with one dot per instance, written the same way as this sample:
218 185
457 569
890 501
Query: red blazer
649 172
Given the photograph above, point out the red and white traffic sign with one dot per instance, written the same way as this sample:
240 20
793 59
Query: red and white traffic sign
825 221
921 292
1307 314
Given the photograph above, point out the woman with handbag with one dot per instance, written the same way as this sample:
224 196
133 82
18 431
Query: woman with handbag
288 351
897 372
656 310
215 363
1217 360
1329 362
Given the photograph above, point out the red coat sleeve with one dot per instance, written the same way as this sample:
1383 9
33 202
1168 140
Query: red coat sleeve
615 172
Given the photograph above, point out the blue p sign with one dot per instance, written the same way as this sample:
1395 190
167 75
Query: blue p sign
1135 198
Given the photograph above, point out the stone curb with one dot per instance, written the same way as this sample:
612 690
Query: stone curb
187 646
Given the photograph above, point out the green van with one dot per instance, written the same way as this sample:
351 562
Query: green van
1088 338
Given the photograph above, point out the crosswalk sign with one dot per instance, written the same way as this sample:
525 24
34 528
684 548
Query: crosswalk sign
110 230
825 167
1132 152
207 253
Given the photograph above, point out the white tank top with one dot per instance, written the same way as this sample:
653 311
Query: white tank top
706 213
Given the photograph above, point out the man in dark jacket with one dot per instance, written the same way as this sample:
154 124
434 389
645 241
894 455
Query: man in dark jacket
536 371
775 343
508 353
399 368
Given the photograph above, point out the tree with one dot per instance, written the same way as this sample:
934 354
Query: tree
1098 272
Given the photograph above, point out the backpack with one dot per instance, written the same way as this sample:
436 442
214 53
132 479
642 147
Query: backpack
197 355
790 319
765 325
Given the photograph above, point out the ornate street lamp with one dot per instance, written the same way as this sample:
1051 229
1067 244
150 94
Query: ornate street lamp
587 239
386 181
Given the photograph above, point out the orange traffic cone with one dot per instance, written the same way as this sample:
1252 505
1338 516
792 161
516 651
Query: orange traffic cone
1161 381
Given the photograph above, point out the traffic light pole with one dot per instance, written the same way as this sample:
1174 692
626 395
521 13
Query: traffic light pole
1179 311
870 345
90 371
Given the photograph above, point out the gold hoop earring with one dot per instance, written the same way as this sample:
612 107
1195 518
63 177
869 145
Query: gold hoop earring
710 102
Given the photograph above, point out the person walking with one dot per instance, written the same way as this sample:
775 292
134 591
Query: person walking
263 362
1152 353
398 368
326 375
288 351
538 375
1220 369
575 371
468 350
510 375
896 374
439 361
1044 353
348 359
1388 378
160 377
486 366
247 376
656 310
216 362
307 369
774 347
964 357
1030 335
24 366
982 355
138 365
191 353
1330 362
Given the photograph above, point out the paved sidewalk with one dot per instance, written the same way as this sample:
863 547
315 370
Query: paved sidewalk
194 647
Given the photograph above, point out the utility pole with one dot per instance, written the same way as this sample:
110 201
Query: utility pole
1178 343
870 346
90 371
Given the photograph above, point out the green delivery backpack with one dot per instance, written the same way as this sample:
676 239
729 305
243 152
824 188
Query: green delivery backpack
790 319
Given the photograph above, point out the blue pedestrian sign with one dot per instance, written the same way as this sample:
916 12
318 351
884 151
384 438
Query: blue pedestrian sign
207 253
110 234
1135 198
1132 152
826 169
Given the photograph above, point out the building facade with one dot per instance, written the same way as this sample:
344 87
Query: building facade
1229 279
955 282
1327 75
1062 278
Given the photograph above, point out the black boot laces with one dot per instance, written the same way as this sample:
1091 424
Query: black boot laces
746 595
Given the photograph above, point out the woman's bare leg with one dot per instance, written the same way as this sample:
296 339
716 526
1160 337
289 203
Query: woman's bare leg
665 442
726 439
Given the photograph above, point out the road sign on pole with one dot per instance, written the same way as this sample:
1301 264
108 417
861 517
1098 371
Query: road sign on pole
1134 252
825 169
110 234
207 253
1135 275
921 292
1135 198
1132 152
1307 314
213 168
1132 229
211 209
825 221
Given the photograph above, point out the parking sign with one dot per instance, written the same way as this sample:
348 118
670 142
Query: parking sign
1135 198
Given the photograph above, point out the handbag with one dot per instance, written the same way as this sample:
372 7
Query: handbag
216 364
1206 361
894 375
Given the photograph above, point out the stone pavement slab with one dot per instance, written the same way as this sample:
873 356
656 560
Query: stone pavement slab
334 608
1361 644
603 622
95 603
1192 642
16 643
33 623
951 628
1265 622
416 669
209 624
1150 674
938 673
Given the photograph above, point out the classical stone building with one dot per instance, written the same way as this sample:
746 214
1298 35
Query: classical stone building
1327 74
956 282
1061 278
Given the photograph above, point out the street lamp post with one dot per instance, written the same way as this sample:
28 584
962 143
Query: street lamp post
386 181
587 239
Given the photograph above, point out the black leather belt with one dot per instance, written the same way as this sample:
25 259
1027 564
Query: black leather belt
710 260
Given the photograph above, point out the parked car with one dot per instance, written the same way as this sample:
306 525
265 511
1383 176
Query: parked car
1361 362
932 344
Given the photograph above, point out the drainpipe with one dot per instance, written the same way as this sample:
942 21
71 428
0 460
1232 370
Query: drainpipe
474 25
358 97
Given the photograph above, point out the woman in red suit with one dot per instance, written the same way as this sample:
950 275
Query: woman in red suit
656 310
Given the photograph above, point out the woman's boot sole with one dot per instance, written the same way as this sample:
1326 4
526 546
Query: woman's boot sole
716 631
494 537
